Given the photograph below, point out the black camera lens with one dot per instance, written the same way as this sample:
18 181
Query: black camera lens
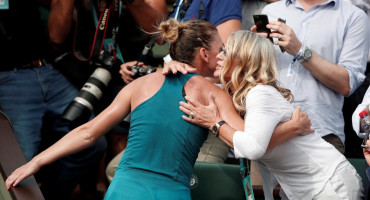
92 91
89 95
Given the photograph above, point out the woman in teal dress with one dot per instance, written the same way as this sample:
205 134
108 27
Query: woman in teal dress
162 147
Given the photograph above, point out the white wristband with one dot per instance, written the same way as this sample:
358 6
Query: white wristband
167 58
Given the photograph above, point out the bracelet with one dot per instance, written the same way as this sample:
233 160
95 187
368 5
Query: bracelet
299 54
167 58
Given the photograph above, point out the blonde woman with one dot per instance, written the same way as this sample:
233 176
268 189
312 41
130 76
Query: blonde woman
306 166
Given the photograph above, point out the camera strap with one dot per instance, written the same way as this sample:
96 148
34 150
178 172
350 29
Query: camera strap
182 9
109 15
245 172
150 44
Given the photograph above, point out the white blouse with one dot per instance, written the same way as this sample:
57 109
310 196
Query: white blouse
301 165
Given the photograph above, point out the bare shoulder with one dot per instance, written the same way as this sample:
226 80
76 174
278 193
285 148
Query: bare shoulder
145 87
199 82
146 81
199 87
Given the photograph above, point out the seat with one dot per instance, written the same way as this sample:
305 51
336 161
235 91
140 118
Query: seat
359 165
216 181
11 157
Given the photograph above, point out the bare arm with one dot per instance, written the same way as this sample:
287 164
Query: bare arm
228 27
331 75
79 138
207 116
148 13
60 20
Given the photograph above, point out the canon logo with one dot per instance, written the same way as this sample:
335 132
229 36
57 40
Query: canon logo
102 24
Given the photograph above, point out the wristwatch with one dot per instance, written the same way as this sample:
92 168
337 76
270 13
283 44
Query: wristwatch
305 54
216 127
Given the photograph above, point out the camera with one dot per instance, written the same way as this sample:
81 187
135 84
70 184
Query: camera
141 71
80 109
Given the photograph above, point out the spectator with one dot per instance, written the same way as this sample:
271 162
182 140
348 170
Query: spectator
324 61
367 159
360 133
34 95
130 39
305 166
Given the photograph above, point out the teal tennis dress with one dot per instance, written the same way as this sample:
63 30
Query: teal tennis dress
161 148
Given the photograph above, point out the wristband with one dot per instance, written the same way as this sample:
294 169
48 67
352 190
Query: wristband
167 58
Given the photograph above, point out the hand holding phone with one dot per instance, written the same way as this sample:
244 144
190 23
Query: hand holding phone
261 21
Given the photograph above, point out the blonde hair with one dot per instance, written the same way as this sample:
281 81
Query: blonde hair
255 61
186 37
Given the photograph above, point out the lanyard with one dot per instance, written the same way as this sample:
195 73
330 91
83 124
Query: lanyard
247 182
181 10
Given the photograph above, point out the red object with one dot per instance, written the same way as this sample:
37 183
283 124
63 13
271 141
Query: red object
363 113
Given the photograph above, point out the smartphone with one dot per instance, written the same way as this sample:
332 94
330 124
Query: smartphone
261 21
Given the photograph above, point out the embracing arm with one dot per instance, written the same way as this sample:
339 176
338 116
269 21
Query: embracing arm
78 139
300 124
221 108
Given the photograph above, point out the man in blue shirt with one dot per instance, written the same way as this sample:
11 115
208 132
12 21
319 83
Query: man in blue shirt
327 44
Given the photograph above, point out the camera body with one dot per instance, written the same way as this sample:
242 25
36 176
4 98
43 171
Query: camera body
141 71
80 109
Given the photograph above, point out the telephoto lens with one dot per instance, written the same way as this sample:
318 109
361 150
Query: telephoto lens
80 109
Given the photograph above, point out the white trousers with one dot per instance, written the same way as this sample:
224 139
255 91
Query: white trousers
344 184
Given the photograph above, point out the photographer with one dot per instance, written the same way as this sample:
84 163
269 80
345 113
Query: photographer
92 74
100 81
33 94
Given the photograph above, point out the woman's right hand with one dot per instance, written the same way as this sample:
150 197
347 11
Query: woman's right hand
303 123
199 114
21 173
174 66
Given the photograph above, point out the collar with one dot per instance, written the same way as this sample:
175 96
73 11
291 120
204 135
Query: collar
288 2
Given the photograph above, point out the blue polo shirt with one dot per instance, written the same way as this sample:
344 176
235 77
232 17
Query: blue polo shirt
215 11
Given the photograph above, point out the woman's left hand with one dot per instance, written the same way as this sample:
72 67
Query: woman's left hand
21 173
199 114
